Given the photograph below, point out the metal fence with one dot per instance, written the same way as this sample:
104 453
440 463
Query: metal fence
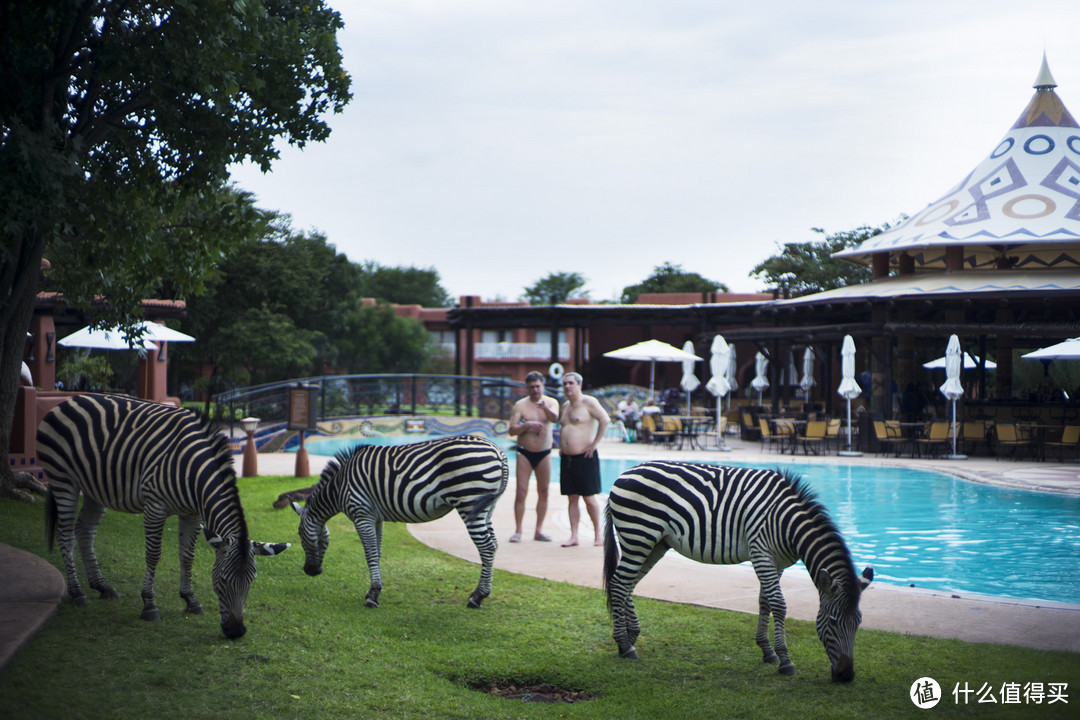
350 395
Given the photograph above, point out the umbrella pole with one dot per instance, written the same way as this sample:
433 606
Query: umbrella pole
849 452
954 455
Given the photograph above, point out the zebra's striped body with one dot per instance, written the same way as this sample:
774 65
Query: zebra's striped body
122 453
723 515
407 483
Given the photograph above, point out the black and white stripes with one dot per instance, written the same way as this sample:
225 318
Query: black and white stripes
407 483
135 456
725 515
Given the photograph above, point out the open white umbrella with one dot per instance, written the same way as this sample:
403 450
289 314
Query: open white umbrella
849 389
760 381
951 388
689 381
651 351
718 384
807 382
109 339
157 331
1065 350
969 362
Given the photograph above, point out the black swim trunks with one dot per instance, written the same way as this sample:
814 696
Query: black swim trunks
533 456
579 475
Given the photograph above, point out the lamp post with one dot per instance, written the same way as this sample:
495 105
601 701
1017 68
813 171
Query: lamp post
251 457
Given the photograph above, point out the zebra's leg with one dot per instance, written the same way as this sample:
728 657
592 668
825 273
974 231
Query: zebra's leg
370 532
189 535
631 569
483 537
770 599
85 530
63 502
153 525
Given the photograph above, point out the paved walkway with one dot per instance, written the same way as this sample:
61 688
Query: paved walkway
31 588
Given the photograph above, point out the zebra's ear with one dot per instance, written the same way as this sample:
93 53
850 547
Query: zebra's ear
216 541
826 583
299 510
866 578
261 548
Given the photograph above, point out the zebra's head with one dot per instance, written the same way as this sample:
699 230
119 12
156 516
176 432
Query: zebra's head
839 618
314 538
233 573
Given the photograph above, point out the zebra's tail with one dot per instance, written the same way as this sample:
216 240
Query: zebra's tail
481 505
51 516
611 554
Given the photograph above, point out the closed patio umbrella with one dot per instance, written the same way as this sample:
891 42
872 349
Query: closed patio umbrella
718 385
651 351
951 388
760 381
689 381
807 382
849 389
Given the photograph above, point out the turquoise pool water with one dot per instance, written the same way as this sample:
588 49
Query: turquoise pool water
930 530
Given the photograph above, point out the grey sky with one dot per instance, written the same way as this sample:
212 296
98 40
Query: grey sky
500 140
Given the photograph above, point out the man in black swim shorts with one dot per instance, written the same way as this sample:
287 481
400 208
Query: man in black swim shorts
531 423
582 424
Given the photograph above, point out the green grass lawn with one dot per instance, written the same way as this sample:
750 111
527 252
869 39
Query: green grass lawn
313 650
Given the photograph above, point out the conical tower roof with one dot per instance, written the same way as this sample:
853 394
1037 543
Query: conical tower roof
1020 208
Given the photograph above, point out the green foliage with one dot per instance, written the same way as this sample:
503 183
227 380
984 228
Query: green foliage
668 278
77 370
313 650
402 285
375 340
808 268
556 288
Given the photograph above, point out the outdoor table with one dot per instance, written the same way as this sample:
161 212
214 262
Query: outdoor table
694 427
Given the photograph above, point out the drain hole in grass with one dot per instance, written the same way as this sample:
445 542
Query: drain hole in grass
531 692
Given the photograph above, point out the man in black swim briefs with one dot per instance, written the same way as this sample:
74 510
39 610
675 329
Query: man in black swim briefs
531 423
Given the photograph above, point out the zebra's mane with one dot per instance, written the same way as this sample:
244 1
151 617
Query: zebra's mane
810 504
223 459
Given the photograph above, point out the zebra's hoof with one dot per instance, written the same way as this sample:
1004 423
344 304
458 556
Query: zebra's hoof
194 608
371 603
107 593
787 668
151 614
474 602
770 658
630 654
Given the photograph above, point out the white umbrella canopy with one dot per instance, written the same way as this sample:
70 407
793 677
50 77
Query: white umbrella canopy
952 388
157 331
1065 350
689 381
718 384
760 381
849 389
651 351
969 362
109 339
807 381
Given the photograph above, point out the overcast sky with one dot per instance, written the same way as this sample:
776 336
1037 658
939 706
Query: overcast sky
501 140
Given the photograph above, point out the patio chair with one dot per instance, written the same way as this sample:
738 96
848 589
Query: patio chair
975 436
661 434
889 437
1008 437
936 438
748 429
1069 442
813 436
832 433
769 439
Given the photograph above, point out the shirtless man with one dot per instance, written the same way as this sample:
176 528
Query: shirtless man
583 422
531 423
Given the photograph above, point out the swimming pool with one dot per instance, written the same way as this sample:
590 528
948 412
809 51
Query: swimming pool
923 529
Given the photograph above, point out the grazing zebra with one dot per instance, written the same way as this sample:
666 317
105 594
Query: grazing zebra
137 456
724 515
407 483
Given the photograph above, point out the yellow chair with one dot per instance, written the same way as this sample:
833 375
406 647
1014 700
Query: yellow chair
768 437
936 439
975 435
1008 437
889 436
813 436
661 434
832 433
1069 441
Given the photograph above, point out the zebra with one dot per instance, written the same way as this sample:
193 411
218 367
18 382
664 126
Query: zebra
725 515
137 456
413 483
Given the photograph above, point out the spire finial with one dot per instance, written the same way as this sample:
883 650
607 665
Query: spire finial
1045 81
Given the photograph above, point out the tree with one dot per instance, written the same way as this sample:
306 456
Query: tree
807 268
668 278
118 122
403 285
557 288
376 340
